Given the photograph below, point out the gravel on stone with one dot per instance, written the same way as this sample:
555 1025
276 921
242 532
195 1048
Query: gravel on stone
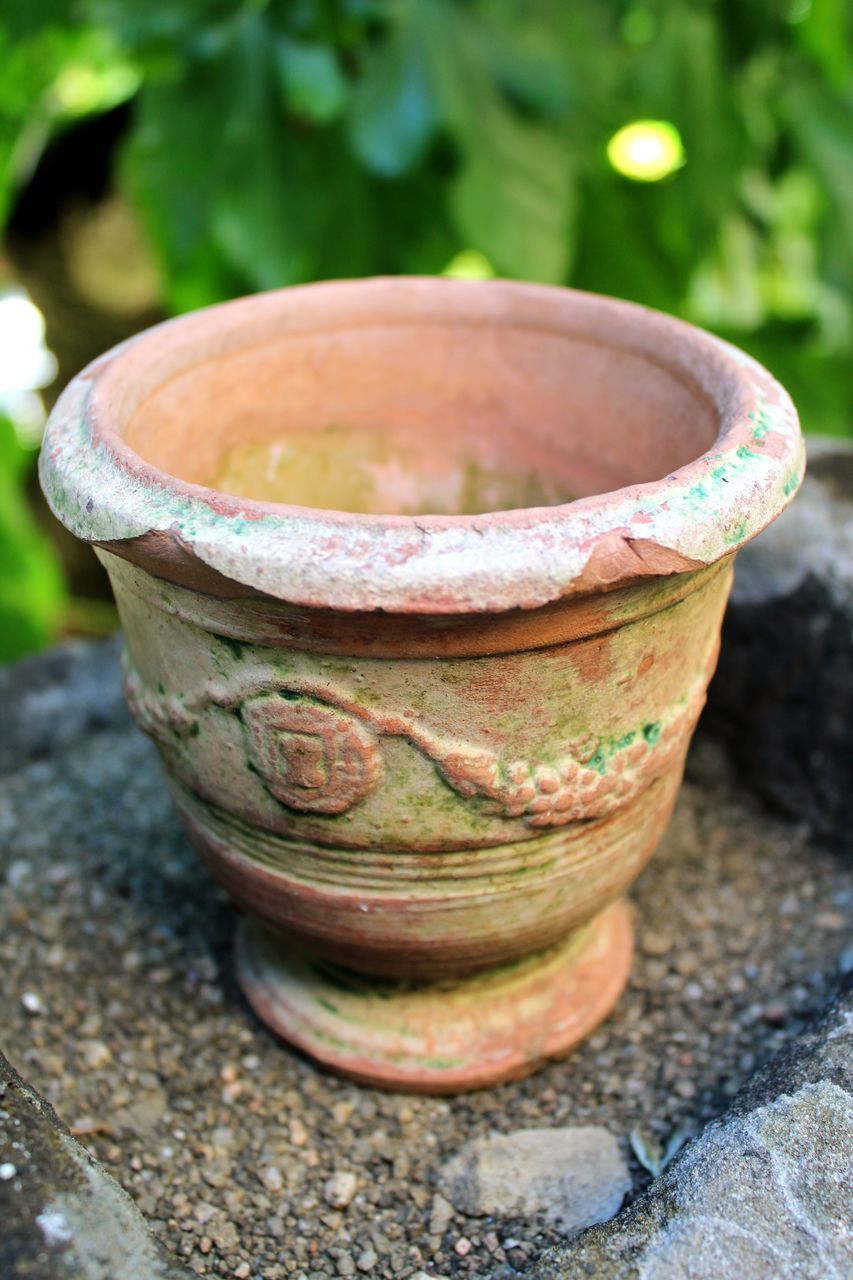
119 1004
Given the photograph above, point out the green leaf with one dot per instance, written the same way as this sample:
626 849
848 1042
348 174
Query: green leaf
528 63
513 199
32 591
157 27
292 204
269 191
312 82
394 108
621 246
228 192
821 128
825 32
25 18
173 177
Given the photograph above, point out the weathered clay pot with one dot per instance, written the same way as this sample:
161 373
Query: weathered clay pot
421 583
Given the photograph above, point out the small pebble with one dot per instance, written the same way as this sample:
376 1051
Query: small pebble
271 1177
55 1227
831 920
655 944
367 1259
774 1013
18 871
441 1215
225 1237
95 1054
298 1132
340 1189
32 1003
7 1171
217 1173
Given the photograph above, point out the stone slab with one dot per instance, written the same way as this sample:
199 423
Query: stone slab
63 1217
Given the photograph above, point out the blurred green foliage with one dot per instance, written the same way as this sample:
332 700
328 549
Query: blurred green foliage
31 589
277 141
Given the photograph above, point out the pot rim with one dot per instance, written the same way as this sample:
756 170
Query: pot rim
106 494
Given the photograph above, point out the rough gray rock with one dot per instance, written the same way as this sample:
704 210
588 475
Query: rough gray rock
783 695
766 1193
574 1177
63 1217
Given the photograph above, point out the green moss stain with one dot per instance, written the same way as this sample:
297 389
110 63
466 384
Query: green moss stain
737 533
342 467
236 647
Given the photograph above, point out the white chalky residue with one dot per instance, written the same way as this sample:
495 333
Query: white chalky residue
54 1227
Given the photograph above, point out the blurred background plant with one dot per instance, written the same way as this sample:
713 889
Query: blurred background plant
694 155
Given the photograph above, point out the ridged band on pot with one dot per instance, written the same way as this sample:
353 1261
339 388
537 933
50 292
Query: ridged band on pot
424 745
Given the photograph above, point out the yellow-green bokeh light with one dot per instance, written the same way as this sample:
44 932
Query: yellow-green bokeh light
646 150
469 264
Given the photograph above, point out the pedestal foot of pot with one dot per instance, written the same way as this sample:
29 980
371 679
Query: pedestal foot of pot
442 1037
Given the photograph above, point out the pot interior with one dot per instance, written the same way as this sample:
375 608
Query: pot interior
420 418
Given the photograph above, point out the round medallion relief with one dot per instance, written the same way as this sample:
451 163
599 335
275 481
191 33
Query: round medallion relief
311 756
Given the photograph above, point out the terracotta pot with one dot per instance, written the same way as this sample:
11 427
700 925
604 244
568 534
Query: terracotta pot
421 583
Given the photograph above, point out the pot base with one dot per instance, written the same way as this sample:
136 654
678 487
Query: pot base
444 1037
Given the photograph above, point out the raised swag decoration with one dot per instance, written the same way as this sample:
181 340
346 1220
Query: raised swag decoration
318 752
